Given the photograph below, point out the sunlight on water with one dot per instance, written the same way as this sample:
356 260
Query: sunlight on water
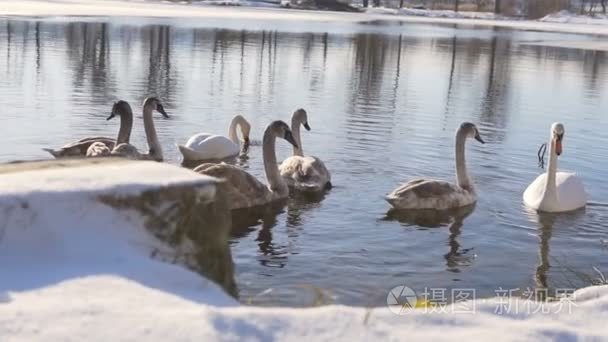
383 109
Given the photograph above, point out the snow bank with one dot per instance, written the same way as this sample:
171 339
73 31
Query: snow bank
84 265
568 17
64 221
246 17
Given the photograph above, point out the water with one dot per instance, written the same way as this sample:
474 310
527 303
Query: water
383 103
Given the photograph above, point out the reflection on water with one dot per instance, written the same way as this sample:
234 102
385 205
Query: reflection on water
383 107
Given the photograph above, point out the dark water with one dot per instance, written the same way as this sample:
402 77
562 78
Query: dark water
383 102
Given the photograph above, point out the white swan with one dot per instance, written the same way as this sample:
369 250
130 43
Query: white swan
123 110
99 146
205 146
440 195
304 173
243 190
129 151
555 191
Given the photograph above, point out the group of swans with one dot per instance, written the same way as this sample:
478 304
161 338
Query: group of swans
121 147
551 191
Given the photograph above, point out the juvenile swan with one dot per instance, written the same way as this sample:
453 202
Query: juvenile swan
242 189
205 146
102 145
123 110
304 173
555 191
126 150
440 195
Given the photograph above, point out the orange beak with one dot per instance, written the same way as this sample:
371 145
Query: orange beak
558 146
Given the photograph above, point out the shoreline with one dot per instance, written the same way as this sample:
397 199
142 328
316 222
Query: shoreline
125 9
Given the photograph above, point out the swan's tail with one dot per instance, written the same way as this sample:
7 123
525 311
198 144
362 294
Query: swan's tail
56 154
188 153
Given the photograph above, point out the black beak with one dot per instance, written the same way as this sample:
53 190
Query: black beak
246 144
306 126
289 137
161 110
478 138
110 117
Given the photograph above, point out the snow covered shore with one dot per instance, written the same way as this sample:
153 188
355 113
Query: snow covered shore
294 19
76 263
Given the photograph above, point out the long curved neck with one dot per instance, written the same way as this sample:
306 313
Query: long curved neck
295 130
550 193
156 151
126 125
232 130
275 181
462 176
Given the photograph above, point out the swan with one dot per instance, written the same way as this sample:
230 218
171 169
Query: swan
440 195
555 191
205 146
123 110
99 145
129 151
243 190
304 173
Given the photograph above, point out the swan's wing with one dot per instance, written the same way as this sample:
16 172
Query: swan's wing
197 139
98 149
570 191
80 147
430 194
126 151
534 192
240 188
305 173
205 146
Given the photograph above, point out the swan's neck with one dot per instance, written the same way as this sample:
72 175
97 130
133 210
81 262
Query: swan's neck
550 193
232 130
126 125
295 130
275 181
462 176
156 151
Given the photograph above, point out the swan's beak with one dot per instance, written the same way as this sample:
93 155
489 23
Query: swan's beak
110 117
161 110
558 145
289 137
306 126
478 138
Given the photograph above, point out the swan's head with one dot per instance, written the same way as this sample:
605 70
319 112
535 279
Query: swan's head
245 128
557 135
300 116
120 108
471 131
281 129
154 104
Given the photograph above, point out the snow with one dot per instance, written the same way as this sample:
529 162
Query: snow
73 268
275 18
572 18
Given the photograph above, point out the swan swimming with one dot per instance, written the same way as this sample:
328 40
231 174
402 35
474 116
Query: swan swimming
205 146
304 173
555 191
123 110
99 146
243 190
441 195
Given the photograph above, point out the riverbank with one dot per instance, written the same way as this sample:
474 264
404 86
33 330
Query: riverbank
115 8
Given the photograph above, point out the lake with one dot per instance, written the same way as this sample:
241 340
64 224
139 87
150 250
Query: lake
384 100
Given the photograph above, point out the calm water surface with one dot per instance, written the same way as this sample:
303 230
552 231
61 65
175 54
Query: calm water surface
383 103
